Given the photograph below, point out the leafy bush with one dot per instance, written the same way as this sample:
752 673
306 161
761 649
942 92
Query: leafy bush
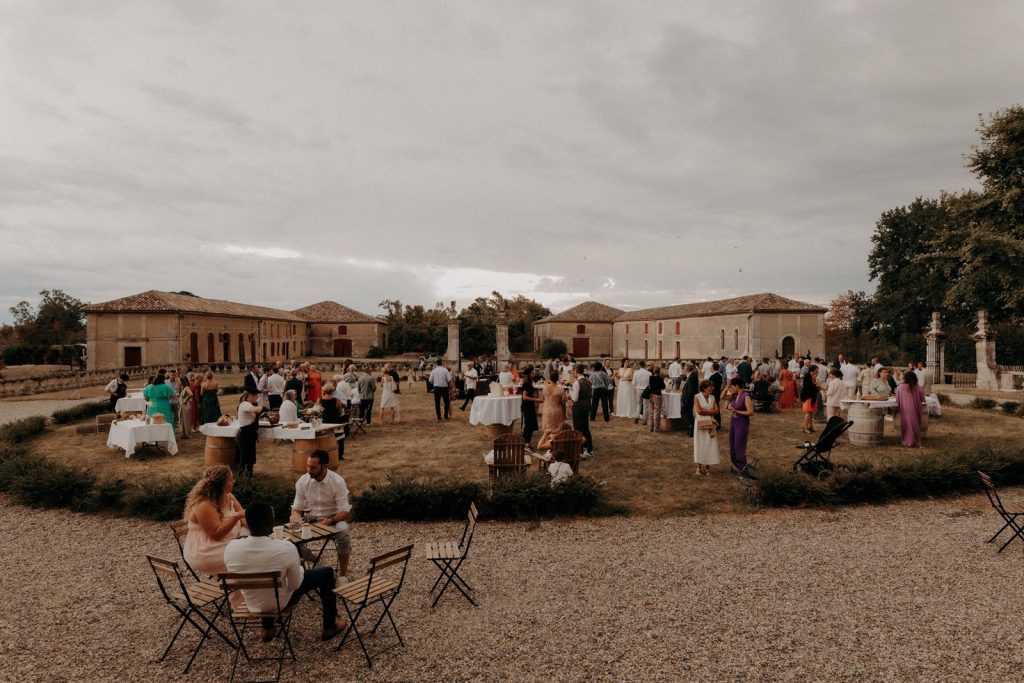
415 500
22 430
550 348
1010 407
375 352
984 403
80 412
278 493
108 495
944 400
531 496
160 499
936 475
45 484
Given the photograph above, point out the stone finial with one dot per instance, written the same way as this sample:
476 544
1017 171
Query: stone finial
983 332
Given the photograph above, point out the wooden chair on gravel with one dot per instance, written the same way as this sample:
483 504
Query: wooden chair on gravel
448 557
376 587
179 528
1010 518
242 617
509 457
191 601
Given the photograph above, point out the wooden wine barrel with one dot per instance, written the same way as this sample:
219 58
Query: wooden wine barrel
221 450
303 448
494 431
867 425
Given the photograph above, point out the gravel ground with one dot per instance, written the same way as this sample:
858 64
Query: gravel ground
17 409
895 593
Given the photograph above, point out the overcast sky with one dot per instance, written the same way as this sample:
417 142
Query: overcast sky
640 154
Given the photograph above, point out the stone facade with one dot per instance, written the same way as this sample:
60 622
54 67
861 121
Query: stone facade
586 329
339 331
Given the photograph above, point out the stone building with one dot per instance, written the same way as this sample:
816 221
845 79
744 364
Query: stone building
757 325
586 329
336 330
165 328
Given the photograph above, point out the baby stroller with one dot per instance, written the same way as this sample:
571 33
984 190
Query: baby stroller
815 458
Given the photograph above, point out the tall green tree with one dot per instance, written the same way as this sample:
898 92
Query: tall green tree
38 331
480 317
414 328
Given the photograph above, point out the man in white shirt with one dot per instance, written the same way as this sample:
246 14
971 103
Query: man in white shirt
705 369
566 370
470 376
851 374
794 364
641 379
440 378
261 553
322 496
263 384
675 372
117 388
275 389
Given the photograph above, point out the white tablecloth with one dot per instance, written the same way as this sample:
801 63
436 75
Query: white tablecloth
671 405
492 410
932 402
129 434
283 433
132 403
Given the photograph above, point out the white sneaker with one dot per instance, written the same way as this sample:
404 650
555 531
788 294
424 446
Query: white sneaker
585 454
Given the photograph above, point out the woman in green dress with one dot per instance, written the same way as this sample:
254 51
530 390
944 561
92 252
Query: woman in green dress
210 408
158 393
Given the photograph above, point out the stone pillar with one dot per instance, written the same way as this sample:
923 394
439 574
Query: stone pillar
935 359
454 351
501 338
985 353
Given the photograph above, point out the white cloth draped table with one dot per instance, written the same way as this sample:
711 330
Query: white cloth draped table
672 405
492 410
132 403
276 432
129 434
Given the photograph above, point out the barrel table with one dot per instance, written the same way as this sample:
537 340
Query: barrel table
868 420
303 448
221 450
498 413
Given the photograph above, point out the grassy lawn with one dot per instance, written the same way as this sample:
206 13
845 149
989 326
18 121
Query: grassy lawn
653 474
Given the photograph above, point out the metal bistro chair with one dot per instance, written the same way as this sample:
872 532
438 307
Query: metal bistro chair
509 456
448 557
1010 518
179 528
281 615
375 587
189 601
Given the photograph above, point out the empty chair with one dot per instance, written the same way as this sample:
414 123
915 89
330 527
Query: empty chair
509 457
448 557
1009 518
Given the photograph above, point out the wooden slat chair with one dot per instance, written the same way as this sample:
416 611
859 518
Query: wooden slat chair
356 423
375 587
189 600
509 457
571 443
1010 518
448 557
179 528
242 615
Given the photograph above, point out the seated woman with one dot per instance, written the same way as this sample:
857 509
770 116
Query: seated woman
288 412
879 389
214 519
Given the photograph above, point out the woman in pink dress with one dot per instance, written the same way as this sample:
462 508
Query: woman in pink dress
214 519
909 401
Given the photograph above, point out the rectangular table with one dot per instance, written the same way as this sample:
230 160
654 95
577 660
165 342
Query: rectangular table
672 405
128 435
303 431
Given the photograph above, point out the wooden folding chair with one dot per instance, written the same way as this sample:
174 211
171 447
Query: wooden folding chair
509 456
448 557
179 528
571 443
189 601
1010 518
282 615
375 587
356 423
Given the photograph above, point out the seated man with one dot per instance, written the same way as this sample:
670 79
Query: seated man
260 553
322 496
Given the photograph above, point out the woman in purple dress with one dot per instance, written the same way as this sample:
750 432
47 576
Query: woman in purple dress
742 406
909 400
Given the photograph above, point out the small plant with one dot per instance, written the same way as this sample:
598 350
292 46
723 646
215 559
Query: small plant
945 400
985 403
1010 407
375 352
22 430
270 490
80 412
159 499
108 495
531 496
44 484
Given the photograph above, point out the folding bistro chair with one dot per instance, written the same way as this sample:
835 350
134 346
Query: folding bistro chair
375 587
815 458
241 614
179 528
1010 518
448 556
189 600
509 456
356 423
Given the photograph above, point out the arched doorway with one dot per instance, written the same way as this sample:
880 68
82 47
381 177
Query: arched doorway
788 346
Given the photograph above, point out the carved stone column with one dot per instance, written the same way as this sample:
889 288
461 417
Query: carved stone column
454 351
985 353
935 359
501 338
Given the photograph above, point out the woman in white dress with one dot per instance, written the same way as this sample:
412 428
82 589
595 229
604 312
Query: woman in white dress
625 397
705 432
389 396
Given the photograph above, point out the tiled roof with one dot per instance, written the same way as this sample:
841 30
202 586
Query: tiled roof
588 311
332 312
154 301
765 302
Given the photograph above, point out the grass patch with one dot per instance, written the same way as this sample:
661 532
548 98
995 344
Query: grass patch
39 483
80 412
928 476
22 430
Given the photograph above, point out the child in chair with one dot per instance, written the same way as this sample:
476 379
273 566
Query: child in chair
559 469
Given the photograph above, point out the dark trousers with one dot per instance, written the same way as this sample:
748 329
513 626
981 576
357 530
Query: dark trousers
581 423
604 398
275 401
321 580
366 409
441 394
529 421
247 447
470 393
